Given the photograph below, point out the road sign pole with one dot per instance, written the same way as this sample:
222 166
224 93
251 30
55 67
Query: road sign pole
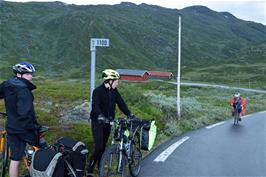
178 70
93 59
100 42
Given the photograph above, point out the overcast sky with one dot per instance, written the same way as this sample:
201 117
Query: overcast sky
251 10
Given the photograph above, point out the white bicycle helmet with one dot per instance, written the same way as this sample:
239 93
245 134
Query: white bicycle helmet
23 67
237 95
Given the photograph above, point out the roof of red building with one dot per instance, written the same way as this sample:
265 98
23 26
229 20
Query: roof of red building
159 73
131 72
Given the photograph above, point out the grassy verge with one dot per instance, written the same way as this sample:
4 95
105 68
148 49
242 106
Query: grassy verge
246 75
151 100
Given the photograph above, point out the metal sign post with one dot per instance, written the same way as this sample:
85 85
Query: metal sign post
178 70
95 42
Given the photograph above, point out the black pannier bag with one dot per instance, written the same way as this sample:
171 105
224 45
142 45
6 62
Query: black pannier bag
47 163
148 135
75 152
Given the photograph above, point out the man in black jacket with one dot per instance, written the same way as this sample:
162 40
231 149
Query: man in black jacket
104 99
21 122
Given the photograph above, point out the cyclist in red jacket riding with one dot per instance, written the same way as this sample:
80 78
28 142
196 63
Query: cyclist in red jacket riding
238 100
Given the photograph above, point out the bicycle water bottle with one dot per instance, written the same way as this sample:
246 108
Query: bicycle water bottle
29 154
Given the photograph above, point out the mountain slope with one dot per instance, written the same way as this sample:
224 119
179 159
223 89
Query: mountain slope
56 36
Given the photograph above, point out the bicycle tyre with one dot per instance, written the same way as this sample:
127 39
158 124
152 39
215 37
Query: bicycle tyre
70 171
4 158
236 117
110 161
136 157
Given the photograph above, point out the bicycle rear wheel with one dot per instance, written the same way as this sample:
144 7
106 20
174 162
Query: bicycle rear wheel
136 157
109 165
4 158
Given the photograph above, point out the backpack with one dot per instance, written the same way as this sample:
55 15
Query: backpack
148 135
238 105
47 163
75 152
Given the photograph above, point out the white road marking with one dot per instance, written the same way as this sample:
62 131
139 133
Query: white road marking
214 125
166 153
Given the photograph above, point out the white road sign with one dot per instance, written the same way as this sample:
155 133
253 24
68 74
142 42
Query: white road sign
100 42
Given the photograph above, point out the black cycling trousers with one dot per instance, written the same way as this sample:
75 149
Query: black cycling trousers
100 136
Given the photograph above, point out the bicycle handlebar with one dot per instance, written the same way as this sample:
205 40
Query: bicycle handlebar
3 113
43 129
127 121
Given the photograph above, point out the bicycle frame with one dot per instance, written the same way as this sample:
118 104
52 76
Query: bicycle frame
3 139
125 139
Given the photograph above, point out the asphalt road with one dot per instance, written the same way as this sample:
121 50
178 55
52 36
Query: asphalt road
219 150
220 86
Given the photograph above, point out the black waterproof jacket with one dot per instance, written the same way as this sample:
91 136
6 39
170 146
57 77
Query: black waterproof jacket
104 101
19 105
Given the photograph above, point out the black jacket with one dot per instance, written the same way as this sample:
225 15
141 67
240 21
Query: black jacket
104 101
19 105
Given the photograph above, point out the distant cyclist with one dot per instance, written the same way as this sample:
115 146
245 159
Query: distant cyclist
238 102
104 100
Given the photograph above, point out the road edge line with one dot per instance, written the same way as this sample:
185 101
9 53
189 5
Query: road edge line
166 153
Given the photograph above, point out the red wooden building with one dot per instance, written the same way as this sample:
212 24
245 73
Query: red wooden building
133 75
161 75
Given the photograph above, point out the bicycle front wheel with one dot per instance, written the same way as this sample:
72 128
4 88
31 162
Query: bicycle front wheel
136 157
4 157
110 165
236 117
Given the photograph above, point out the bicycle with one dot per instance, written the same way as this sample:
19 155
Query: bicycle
237 111
27 158
124 149
4 152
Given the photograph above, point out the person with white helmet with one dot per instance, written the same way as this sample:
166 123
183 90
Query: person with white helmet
21 122
104 100
238 101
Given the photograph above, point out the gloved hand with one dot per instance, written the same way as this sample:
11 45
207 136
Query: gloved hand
102 120
133 117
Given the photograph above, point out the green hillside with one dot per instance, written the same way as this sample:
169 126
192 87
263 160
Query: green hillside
55 37
216 47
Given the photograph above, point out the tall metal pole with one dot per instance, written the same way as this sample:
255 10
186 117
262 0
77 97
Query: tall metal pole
178 70
100 42
93 56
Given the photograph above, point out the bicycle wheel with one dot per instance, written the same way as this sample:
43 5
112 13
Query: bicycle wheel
4 158
136 157
109 165
70 172
236 117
